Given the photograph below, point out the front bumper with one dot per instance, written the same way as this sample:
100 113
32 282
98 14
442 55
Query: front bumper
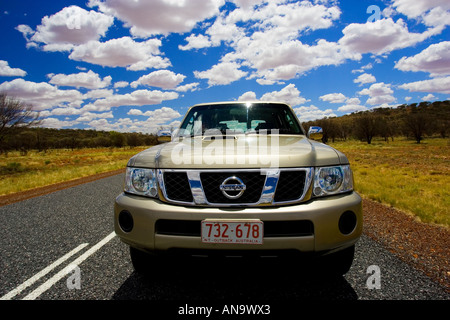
324 213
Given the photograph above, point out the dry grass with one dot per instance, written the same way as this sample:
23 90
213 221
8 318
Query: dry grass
37 169
409 176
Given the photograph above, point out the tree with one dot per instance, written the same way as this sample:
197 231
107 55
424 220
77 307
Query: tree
343 127
134 139
367 126
417 122
386 129
118 139
15 114
330 130
440 114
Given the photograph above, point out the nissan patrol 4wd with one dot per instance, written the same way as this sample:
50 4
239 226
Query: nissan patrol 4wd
240 178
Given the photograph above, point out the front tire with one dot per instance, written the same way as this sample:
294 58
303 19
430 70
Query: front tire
142 261
339 263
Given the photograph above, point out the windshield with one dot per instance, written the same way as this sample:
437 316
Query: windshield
239 119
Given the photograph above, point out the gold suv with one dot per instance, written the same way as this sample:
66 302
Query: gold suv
240 178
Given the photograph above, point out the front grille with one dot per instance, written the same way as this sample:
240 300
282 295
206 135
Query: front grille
177 186
211 182
272 229
290 186
203 187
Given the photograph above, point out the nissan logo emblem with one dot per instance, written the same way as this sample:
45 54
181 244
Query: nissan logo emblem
232 190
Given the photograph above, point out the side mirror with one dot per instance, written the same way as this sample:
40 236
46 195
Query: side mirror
315 133
164 136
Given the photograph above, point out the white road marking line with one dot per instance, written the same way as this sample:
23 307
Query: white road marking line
42 273
50 282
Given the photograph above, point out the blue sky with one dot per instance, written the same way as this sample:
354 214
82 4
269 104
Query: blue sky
138 65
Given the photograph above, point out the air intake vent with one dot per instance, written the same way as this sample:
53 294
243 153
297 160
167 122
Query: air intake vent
290 186
177 186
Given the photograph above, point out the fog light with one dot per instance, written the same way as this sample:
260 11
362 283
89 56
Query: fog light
126 221
347 222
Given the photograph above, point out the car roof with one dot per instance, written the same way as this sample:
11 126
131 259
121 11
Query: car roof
240 102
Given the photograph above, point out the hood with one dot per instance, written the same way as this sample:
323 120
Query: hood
241 151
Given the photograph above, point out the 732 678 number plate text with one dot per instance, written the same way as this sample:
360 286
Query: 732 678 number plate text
232 231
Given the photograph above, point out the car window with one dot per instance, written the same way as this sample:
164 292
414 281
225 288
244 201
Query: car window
240 118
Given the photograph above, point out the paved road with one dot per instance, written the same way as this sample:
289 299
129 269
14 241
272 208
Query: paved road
41 237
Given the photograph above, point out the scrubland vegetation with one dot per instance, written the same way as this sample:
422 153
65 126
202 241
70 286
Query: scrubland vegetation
409 176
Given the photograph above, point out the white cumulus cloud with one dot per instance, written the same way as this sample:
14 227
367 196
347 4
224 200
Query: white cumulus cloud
89 80
305 113
152 17
382 36
352 105
164 79
333 97
379 93
69 27
41 95
437 85
135 98
429 97
222 73
196 42
431 12
435 60
289 94
56 123
248 96
122 52
7 71
365 78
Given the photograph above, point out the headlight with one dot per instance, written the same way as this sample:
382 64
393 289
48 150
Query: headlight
142 182
332 180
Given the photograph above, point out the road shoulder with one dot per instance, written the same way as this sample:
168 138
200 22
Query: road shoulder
424 246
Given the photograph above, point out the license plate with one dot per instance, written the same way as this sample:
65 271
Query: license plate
232 231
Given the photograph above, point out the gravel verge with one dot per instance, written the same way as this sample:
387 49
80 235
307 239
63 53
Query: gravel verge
424 246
